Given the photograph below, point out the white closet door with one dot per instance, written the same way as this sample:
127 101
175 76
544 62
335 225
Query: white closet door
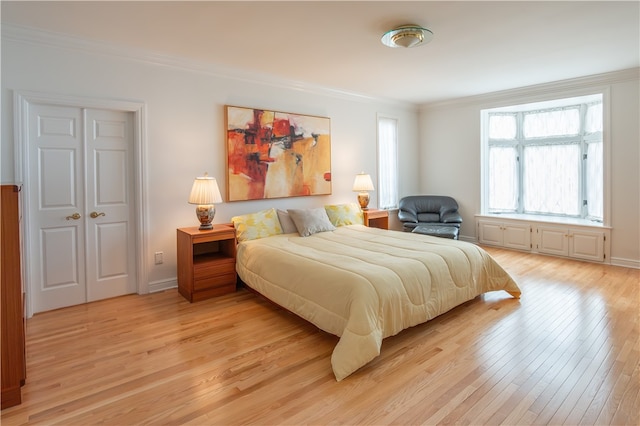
109 204
79 163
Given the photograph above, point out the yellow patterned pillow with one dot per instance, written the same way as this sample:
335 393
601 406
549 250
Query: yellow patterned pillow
257 225
345 214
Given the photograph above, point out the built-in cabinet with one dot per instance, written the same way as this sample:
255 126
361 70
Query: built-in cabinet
13 318
569 240
577 243
510 235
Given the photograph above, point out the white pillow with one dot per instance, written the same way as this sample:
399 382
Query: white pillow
311 221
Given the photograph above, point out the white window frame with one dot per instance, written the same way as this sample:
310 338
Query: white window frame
542 103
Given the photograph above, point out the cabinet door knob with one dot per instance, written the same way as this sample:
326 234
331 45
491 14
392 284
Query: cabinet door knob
74 216
96 214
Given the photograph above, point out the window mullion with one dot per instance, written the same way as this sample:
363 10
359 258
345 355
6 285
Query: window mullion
584 210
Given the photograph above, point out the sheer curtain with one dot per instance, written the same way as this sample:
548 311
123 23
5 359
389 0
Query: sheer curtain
561 122
595 162
503 179
387 163
551 179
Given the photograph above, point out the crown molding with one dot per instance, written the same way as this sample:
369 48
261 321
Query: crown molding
541 91
38 37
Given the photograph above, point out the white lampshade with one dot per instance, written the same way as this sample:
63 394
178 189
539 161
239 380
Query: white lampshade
362 183
205 191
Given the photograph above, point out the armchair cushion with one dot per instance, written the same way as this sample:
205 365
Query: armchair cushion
428 217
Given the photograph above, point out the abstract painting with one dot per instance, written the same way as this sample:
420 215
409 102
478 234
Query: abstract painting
273 154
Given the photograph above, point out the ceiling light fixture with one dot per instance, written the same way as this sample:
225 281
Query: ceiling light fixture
407 36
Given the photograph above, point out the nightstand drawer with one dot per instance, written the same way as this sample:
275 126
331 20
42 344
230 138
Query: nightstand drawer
211 269
215 281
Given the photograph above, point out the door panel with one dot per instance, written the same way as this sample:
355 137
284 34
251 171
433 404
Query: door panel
60 267
587 245
109 138
56 243
109 272
553 241
490 233
57 178
56 125
517 236
111 260
111 179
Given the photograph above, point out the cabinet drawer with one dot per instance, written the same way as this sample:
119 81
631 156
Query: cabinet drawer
210 269
215 281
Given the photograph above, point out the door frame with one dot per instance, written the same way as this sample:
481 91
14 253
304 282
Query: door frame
22 100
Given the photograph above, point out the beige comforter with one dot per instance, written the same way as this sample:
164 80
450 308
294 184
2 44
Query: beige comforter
364 284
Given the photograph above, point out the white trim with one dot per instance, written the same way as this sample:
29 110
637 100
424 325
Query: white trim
23 34
626 263
606 156
22 100
162 285
551 220
541 92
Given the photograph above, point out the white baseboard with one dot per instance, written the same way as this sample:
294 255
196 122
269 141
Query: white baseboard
162 285
627 263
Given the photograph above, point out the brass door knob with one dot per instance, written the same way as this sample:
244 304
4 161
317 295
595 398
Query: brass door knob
96 214
74 216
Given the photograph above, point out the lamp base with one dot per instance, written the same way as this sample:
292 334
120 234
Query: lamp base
363 199
205 214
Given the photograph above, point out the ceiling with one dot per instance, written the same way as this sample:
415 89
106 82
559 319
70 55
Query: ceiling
478 46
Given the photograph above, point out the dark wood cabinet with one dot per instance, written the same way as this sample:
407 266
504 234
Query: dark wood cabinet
13 320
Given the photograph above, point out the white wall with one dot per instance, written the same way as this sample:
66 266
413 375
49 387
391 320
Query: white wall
450 151
185 126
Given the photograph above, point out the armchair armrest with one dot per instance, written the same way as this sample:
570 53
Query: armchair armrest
406 216
451 217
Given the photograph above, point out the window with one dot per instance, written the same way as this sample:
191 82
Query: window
387 163
545 158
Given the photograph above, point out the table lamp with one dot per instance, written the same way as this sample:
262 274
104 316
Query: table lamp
361 185
205 193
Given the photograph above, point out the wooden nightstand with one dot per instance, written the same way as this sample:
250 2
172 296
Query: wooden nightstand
206 262
376 218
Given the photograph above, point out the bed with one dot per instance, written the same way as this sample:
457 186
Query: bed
365 284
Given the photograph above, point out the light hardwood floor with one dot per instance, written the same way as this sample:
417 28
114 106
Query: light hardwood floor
566 353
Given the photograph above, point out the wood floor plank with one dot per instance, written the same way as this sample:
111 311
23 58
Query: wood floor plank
567 352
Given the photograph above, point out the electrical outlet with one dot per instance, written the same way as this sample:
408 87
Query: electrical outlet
159 259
